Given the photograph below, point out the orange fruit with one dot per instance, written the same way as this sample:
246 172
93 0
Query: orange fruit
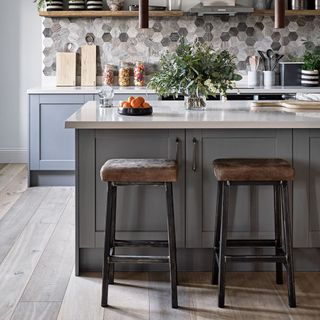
146 105
126 105
121 103
130 99
137 102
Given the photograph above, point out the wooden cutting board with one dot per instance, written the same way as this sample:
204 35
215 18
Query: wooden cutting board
89 65
66 69
288 104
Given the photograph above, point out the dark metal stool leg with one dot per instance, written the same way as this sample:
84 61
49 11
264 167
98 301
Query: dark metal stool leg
107 243
113 232
288 244
172 245
215 269
278 231
223 243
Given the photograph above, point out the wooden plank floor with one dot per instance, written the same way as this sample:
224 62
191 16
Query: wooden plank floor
38 282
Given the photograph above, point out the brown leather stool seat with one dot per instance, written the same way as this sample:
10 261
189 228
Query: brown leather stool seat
139 170
253 170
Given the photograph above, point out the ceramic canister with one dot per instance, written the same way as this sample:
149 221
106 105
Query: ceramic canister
94 4
54 5
77 4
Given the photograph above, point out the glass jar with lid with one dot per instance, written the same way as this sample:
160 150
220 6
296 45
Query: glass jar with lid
108 73
139 74
124 74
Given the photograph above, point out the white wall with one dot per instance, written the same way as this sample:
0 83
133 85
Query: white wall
20 68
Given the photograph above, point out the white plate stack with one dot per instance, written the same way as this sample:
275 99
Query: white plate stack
77 5
310 78
54 5
94 4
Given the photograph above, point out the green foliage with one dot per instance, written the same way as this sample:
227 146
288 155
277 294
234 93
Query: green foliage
195 69
311 61
40 3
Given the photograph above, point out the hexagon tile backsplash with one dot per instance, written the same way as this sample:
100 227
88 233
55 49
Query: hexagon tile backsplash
121 39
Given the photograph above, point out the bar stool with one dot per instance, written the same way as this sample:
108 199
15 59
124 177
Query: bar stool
124 172
235 172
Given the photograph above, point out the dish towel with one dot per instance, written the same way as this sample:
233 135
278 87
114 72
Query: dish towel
308 96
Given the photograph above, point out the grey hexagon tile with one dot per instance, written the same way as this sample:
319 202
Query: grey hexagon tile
117 38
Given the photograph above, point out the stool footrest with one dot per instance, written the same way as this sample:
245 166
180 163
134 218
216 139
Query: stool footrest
251 243
138 259
141 243
256 258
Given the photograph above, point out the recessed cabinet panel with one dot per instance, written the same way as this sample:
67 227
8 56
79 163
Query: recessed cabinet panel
140 209
56 143
251 207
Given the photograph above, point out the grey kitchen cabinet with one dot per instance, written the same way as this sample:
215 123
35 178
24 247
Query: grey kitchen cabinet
141 210
306 192
251 208
51 146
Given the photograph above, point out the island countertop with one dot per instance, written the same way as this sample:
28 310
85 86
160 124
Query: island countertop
172 115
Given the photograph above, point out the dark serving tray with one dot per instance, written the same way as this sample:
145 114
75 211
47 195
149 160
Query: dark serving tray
135 111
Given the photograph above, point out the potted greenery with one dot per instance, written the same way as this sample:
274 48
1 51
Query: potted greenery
310 69
50 5
196 71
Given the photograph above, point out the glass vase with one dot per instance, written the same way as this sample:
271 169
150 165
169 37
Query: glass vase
197 103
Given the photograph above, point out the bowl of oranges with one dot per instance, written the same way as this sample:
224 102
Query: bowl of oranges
135 106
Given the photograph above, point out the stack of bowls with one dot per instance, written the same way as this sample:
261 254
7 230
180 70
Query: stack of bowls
94 4
77 5
54 5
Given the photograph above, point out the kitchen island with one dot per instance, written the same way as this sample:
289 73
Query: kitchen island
225 129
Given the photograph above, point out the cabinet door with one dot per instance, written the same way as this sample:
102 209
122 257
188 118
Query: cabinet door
251 208
141 210
306 188
51 145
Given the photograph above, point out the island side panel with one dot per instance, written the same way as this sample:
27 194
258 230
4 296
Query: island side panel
141 211
251 208
306 203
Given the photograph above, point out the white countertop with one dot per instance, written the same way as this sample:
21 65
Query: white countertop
144 90
172 115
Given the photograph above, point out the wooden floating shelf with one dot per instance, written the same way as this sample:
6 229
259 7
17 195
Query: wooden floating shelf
105 13
288 13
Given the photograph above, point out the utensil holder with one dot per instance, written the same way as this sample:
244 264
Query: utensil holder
269 78
253 78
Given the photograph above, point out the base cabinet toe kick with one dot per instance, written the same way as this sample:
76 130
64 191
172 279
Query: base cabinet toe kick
141 210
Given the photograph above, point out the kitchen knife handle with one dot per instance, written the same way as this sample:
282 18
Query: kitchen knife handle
194 161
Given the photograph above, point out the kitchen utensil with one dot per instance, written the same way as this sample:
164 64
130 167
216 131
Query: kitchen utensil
277 58
270 55
254 63
89 63
263 58
66 68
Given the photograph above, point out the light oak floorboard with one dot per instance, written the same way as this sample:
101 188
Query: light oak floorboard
36 311
17 267
51 276
13 191
17 218
128 297
308 297
82 299
9 172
